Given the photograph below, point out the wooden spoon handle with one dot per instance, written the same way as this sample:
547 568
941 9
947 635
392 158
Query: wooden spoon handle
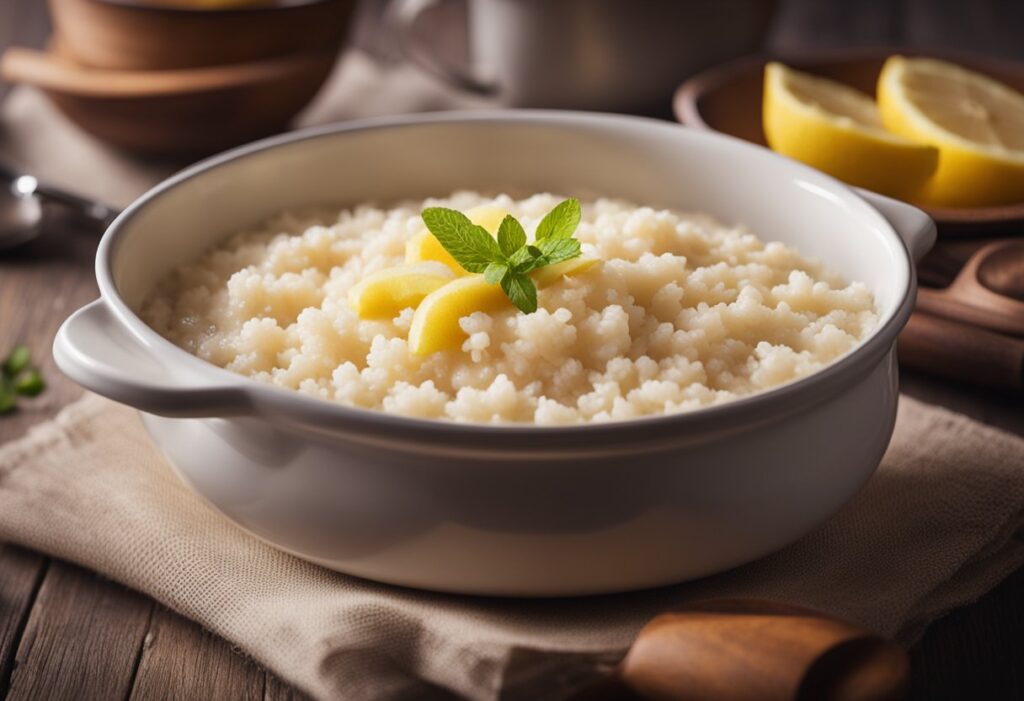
754 650
962 352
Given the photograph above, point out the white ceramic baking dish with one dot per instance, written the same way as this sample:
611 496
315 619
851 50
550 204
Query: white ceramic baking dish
510 510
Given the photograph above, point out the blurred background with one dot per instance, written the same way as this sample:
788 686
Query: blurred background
143 77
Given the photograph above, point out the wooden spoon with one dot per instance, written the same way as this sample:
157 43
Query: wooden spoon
962 352
988 292
750 649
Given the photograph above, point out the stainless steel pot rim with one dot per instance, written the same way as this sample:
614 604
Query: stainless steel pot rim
254 398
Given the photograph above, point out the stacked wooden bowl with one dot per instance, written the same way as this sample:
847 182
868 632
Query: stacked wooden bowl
182 77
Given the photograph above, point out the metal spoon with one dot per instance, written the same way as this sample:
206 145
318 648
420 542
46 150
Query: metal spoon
21 207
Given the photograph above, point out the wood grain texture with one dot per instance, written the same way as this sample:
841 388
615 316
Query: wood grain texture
180 660
40 285
975 652
147 36
21 573
81 639
176 114
276 690
962 353
757 650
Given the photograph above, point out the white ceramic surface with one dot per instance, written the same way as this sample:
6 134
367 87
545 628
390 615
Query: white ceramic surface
511 510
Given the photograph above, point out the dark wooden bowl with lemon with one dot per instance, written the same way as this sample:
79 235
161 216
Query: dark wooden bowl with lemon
730 98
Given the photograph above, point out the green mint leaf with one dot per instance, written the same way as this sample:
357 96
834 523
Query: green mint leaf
526 258
531 264
561 221
7 397
470 245
520 290
511 236
520 257
17 361
30 384
558 250
494 272
509 259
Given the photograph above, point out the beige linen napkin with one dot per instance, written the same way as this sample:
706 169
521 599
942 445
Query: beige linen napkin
936 527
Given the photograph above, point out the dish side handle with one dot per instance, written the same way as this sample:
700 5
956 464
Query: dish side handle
913 226
96 351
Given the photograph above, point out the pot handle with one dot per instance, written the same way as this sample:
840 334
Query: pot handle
95 350
913 226
402 15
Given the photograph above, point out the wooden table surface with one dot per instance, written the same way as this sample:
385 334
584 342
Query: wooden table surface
66 633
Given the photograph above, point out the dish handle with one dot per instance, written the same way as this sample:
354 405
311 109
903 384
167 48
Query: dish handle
913 226
402 16
95 350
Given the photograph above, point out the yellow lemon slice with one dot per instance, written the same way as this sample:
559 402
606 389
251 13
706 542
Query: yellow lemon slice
976 122
424 247
383 294
551 274
837 129
435 325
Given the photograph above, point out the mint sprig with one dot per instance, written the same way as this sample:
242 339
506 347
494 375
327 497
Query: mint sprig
508 260
18 377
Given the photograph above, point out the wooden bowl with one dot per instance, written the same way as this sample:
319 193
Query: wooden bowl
728 99
181 113
123 35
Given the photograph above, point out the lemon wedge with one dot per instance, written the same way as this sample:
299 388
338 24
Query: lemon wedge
424 247
551 274
977 124
383 294
837 129
435 325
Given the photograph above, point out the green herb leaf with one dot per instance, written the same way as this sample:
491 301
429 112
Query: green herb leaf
526 259
559 249
470 245
511 236
509 259
7 397
494 272
17 361
519 257
519 288
560 222
29 384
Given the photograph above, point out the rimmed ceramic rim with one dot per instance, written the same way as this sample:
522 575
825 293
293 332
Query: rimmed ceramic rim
323 417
